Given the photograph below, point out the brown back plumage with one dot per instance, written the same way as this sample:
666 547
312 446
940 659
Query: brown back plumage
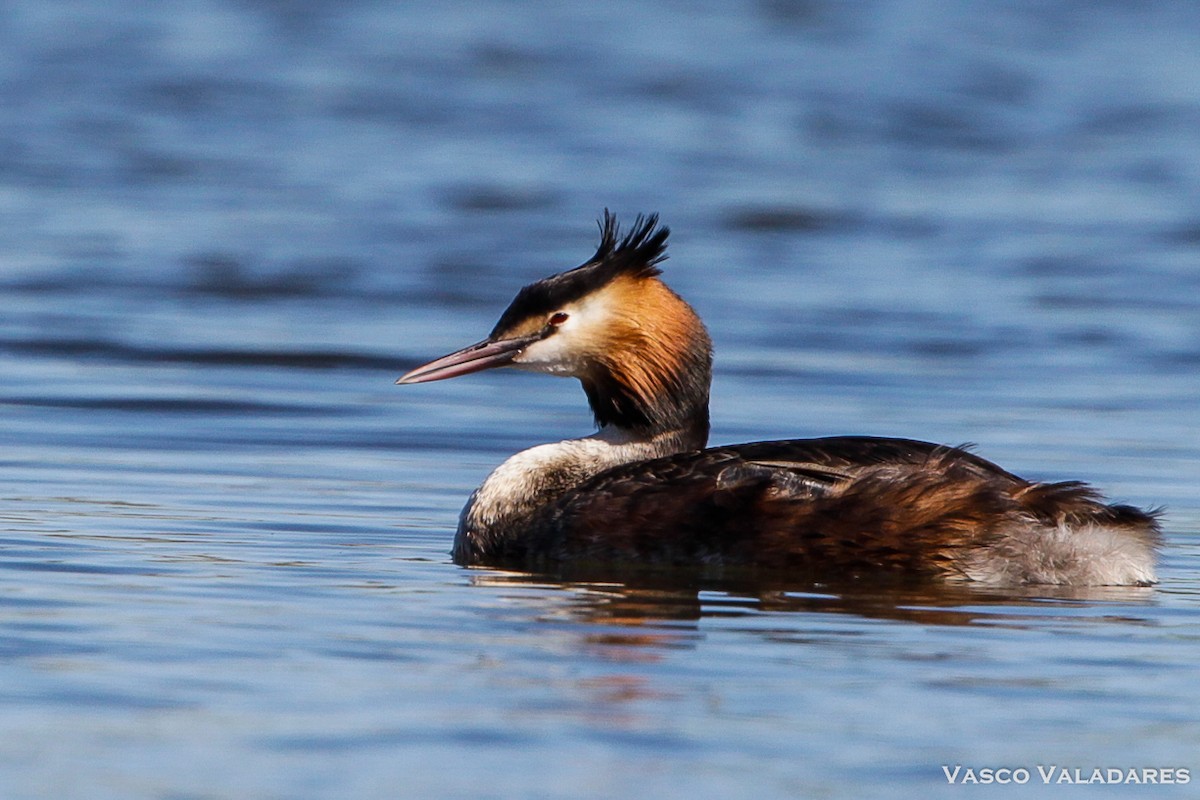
847 505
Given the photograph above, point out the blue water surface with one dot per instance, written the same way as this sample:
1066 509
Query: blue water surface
224 534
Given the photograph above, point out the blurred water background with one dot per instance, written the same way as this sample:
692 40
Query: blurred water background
229 225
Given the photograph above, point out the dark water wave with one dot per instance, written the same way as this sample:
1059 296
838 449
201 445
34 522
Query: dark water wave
102 350
167 405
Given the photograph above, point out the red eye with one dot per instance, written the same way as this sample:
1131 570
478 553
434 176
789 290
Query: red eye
558 318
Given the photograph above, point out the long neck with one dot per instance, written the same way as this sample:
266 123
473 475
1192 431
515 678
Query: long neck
651 377
679 417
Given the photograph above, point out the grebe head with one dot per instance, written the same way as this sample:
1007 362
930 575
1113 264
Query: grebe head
641 353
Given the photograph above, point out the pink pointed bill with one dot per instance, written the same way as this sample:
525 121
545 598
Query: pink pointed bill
483 355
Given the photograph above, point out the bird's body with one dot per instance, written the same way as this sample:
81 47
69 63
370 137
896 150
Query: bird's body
645 490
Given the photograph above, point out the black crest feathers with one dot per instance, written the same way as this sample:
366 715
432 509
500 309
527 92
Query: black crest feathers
639 253
636 254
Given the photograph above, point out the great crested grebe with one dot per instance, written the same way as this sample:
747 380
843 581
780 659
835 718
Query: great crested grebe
644 490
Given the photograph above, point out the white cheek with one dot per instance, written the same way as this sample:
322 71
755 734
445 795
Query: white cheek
552 355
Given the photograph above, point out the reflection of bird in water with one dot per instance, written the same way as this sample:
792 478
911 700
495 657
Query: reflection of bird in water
644 491
638 601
